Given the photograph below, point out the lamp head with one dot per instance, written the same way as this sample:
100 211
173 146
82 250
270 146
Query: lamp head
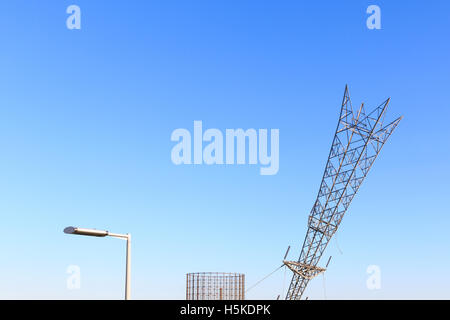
86 232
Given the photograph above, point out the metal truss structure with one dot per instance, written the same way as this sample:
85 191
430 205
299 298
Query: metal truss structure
357 142
215 286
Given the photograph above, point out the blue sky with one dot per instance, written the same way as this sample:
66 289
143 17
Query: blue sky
85 123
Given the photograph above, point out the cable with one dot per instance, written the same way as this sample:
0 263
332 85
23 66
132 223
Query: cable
337 244
264 278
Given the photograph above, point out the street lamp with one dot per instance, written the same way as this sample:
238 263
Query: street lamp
101 233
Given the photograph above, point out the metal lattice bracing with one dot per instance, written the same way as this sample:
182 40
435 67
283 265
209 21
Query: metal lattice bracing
357 142
215 286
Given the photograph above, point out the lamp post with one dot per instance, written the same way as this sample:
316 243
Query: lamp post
101 233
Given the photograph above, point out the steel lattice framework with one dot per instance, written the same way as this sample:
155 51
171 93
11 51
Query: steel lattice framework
357 142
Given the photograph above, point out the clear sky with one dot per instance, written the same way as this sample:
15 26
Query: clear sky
86 118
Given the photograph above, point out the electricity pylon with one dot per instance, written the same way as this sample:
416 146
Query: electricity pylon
357 142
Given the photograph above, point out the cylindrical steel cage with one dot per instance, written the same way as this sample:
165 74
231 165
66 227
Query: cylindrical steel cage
215 286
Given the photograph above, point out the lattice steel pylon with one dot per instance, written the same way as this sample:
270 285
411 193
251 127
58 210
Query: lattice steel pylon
357 142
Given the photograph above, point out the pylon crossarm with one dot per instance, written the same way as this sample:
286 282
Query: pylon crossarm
304 270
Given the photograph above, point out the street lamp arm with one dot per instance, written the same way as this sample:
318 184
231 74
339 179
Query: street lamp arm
118 235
